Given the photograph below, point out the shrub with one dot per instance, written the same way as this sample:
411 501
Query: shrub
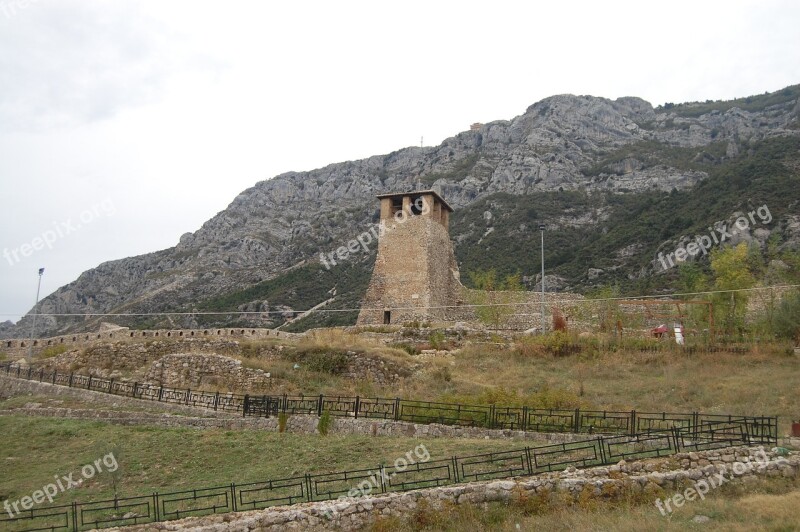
52 351
558 343
411 349
529 346
787 319
321 360
325 422
437 340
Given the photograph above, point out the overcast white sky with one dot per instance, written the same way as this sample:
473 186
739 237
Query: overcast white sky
125 124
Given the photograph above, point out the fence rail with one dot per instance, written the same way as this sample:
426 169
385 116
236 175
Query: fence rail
527 461
757 429
617 435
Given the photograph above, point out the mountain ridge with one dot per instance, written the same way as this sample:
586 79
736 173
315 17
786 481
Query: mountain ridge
563 144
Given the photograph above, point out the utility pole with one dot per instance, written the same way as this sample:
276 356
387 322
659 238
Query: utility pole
33 325
541 228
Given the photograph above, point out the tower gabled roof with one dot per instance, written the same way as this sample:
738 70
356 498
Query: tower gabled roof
416 193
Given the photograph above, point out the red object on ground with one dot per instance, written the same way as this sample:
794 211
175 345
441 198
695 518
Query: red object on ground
659 331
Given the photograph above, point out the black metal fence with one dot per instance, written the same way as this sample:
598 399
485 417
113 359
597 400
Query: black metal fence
758 429
527 461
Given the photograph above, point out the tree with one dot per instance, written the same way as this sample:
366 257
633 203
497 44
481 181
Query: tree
731 272
787 320
493 297
693 280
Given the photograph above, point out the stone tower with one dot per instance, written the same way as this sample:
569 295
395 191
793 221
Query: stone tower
416 276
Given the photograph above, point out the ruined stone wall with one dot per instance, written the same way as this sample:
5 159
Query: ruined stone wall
16 348
207 372
526 311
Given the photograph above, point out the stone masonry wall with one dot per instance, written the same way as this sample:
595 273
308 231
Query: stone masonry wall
650 479
16 348
415 268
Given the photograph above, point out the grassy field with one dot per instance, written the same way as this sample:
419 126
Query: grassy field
763 381
766 505
170 459
61 401
755 383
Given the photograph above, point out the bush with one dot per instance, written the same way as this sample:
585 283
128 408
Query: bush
529 346
52 351
411 349
321 360
787 320
325 423
546 397
437 341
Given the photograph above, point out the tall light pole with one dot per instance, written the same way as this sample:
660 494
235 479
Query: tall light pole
541 228
33 325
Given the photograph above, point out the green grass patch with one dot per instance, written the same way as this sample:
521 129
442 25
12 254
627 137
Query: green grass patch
164 459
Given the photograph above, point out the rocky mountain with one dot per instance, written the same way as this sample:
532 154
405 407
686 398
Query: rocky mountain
592 167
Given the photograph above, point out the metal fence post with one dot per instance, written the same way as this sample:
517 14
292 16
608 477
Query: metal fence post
601 443
309 495
577 420
216 400
245 405
632 431
233 497
156 509
382 475
397 409
70 379
357 406
524 423
75 516
89 384
160 392
135 384
319 405
530 462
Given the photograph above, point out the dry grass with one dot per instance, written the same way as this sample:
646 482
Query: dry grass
760 383
765 505
338 339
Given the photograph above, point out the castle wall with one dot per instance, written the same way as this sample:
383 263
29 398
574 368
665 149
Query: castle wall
15 348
